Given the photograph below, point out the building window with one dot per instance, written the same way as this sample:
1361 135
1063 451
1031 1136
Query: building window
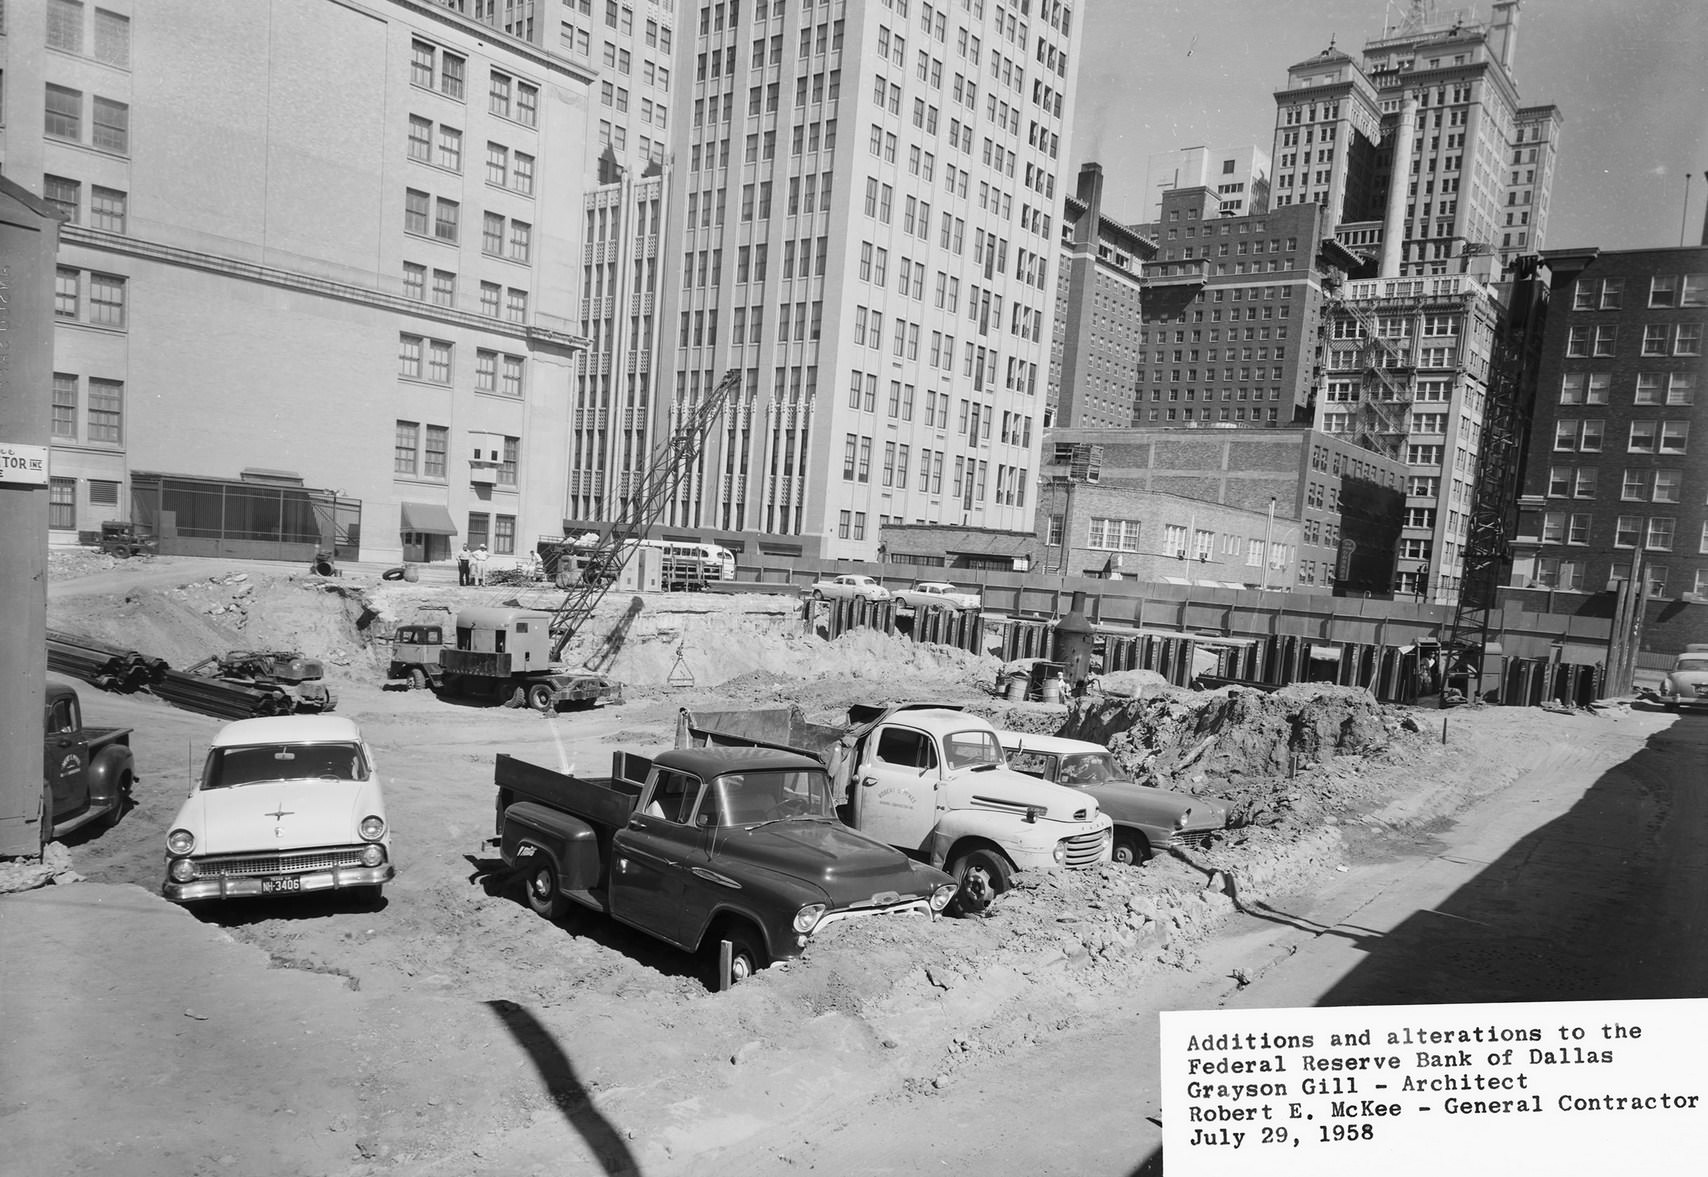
62 504
1663 290
65 297
409 348
64 195
112 38
507 464
1688 341
1660 533
65 25
438 442
438 361
63 117
522 174
106 300
65 405
516 305
511 383
103 492
106 411
111 125
478 523
107 208
403 459
420 139
450 149
521 240
414 281
445 219
486 371
492 234
415 209
504 533
489 293
444 288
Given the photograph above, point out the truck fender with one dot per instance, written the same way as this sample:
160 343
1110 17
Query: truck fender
725 912
108 769
530 829
960 829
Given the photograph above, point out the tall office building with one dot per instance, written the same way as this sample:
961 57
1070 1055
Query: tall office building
865 228
628 186
308 314
1434 103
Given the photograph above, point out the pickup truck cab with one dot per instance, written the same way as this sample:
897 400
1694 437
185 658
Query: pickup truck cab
1147 819
703 846
87 772
933 782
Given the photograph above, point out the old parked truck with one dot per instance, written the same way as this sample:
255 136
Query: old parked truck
294 682
87 772
415 651
931 781
702 847
504 654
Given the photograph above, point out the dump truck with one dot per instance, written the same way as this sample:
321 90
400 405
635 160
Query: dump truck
503 654
702 848
932 781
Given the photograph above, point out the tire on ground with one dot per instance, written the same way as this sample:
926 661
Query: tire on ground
983 875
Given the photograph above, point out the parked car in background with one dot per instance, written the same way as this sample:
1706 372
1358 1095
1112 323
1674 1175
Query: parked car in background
1147 819
126 540
1686 684
850 585
285 804
937 594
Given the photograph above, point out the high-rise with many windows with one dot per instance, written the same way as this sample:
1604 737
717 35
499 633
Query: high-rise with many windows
865 228
631 44
358 292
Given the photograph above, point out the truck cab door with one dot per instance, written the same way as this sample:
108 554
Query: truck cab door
65 757
653 858
896 787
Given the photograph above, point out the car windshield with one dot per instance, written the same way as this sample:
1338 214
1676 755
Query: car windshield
970 749
1088 768
1696 665
747 798
253 764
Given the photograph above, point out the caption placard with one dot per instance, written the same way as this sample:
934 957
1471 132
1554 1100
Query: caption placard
1561 1086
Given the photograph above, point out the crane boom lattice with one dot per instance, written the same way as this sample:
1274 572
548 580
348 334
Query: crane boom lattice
670 466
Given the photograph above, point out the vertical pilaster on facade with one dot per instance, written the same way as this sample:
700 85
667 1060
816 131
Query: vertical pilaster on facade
864 226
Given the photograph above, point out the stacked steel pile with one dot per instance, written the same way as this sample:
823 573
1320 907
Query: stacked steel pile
111 668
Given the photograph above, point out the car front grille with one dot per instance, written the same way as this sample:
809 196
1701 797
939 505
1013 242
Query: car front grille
1084 849
1197 839
295 862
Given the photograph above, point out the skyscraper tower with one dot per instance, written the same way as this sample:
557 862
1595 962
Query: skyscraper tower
866 228
1421 149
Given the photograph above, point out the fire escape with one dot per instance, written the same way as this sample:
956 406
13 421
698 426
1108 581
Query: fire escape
1379 422
1500 466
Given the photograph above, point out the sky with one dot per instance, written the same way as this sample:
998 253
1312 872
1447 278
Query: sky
1630 78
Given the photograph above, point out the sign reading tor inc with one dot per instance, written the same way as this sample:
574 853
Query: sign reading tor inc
1550 1085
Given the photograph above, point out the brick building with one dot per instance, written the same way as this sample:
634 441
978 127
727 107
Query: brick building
1621 417
1095 357
1282 508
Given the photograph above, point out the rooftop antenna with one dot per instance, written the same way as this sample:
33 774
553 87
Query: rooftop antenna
1684 215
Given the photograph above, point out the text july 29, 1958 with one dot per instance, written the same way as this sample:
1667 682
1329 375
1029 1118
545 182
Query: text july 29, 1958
1267 1089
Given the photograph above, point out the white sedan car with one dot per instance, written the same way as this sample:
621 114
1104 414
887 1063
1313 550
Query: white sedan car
850 585
937 594
285 804
1686 684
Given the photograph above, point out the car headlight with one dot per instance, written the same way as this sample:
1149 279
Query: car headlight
180 841
182 870
1185 816
806 919
1060 853
372 827
372 855
941 896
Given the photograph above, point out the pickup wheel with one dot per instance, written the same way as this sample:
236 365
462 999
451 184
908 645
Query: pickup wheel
121 802
540 697
983 875
417 679
540 883
746 957
1131 848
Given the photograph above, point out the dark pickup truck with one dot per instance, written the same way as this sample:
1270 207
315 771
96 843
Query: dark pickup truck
701 847
87 773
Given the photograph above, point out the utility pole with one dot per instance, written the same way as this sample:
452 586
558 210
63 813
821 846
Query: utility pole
1268 539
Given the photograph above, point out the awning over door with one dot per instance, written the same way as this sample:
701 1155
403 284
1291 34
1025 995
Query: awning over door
428 519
